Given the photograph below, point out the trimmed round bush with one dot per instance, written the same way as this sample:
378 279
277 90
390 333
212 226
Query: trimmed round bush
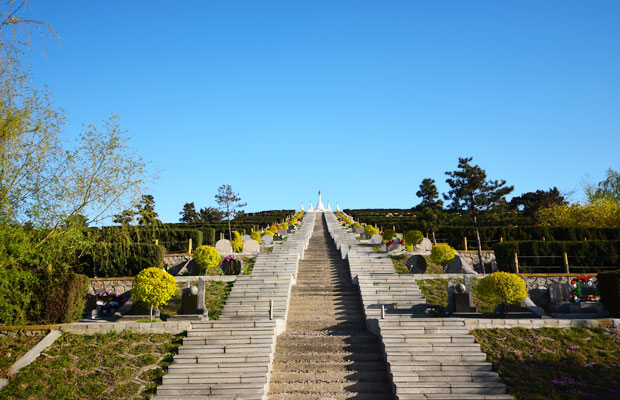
268 232
153 287
357 225
442 254
256 236
388 235
236 242
370 230
208 260
501 288
609 289
413 237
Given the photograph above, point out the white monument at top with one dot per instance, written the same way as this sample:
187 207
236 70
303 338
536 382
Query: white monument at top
302 206
329 208
310 209
337 207
319 207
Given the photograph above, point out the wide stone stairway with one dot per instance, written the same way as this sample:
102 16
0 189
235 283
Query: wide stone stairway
326 351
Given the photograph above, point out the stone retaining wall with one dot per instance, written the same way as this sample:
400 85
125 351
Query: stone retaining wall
471 257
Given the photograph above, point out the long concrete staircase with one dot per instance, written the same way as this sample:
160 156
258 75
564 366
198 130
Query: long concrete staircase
326 351
230 359
428 358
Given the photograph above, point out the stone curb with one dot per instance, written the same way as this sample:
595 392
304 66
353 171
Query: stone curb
494 323
35 352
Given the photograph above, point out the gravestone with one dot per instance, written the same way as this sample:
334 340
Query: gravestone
455 266
359 231
291 229
223 246
245 238
376 239
283 232
189 300
425 245
267 240
559 292
417 264
200 306
396 246
251 246
364 236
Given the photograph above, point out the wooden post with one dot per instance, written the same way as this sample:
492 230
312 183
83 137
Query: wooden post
189 246
465 241
544 239
585 239
156 241
516 257
501 239
566 267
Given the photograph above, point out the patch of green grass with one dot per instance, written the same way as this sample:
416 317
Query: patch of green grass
553 363
216 294
115 365
400 265
267 249
12 348
248 265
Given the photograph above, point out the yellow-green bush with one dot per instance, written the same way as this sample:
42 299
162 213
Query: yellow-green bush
236 242
442 254
413 237
153 287
268 232
208 260
256 236
501 288
357 225
370 230
388 235
283 225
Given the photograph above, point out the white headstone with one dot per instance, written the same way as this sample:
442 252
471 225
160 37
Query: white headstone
283 232
267 240
245 238
376 239
223 246
251 246
425 245
359 231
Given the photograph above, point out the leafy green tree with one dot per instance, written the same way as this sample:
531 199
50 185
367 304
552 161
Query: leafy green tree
153 287
211 215
473 193
229 204
529 203
189 214
145 210
125 218
602 213
609 188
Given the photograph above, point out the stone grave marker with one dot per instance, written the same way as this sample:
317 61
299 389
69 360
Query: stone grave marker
364 236
251 246
455 266
189 300
559 292
425 245
396 246
359 231
283 232
223 246
245 238
376 239
267 240
417 264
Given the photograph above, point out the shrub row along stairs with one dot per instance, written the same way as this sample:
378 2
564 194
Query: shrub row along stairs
326 351
230 358
428 358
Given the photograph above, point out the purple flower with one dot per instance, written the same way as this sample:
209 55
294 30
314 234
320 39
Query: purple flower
241 261
227 259
220 264
117 294
109 292
100 294
574 347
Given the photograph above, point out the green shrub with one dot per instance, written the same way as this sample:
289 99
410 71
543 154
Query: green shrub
116 260
17 295
256 236
357 225
208 236
268 232
208 260
413 237
591 254
153 287
388 235
501 288
236 242
370 230
442 254
609 290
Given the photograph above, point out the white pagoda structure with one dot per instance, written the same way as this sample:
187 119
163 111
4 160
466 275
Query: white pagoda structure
310 209
319 207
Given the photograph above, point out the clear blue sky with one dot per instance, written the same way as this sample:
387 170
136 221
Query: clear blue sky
361 99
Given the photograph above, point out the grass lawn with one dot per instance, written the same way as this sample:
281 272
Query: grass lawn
400 264
562 364
120 366
216 294
12 348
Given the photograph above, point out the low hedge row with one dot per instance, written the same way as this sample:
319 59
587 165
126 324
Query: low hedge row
114 260
41 298
593 254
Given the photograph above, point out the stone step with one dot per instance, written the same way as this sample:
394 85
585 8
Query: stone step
327 357
213 368
436 365
318 365
354 386
215 340
246 349
451 388
330 395
210 389
460 396
326 376
301 347
215 378
445 376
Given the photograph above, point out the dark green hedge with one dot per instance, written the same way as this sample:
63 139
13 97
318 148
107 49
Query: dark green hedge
41 298
592 254
177 240
609 289
116 260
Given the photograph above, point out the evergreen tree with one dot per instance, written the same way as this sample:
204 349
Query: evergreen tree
145 210
472 192
189 214
430 210
529 203
210 214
